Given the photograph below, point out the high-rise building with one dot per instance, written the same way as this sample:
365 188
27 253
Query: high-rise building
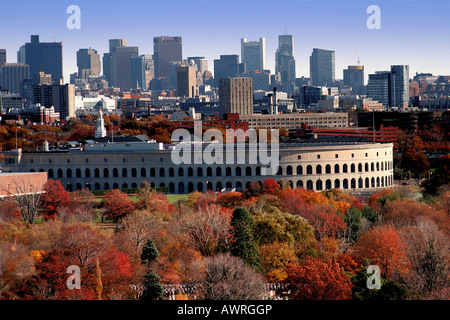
44 56
400 86
391 88
253 54
236 96
121 66
165 51
60 96
227 66
12 76
322 67
142 71
379 87
42 78
186 81
2 57
284 58
107 57
200 62
354 77
88 62
21 55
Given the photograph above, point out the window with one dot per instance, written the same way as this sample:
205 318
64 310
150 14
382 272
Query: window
318 156
299 157
336 156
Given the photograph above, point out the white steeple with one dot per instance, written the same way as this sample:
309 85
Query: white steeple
100 130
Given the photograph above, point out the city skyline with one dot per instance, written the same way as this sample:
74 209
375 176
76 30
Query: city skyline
340 27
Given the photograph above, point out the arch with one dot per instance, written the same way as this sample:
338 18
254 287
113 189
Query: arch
152 172
32 170
78 186
209 186
134 172
309 185
319 185
248 171
372 167
106 187
345 168
78 173
280 171
106 173
171 173
97 173
200 187
378 182
238 171
219 186
366 167
87 173
180 187
327 168
218 172
69 187
229 185
50 173
337 183
372 182
143 172
360 167
352 168
180 172
162 172
328 185
336 168
87 186
309 170
115 185
162 184
60 173
382 166
190 187
299 184
360 183
172 187
228 172
190 172
258 171
367 183
289 170
199 172
318 169
238 186
124 172
345 184
299 170
209 172
382 181
69 173
124 185
97 186
353 183
378 166
134 185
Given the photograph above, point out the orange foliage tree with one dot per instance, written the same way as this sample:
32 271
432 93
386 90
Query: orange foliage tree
117 205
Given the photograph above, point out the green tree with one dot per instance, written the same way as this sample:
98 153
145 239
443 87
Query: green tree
149 252
243 244
153 288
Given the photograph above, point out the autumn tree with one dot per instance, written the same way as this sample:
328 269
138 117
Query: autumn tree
53 198
275 257
315 279
82 205
230 278
243 244
383 246
270 186
152 286
117 205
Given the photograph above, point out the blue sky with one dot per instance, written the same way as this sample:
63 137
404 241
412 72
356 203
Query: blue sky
413 32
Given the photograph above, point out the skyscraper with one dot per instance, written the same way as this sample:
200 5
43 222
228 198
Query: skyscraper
61 97
400 86
88 63
107 57
379 87
227 66
322 67
142 71
200 62
121 66
236 96
186 81
284 58
44 56
12 75
2 57
165 51
253 54
354 77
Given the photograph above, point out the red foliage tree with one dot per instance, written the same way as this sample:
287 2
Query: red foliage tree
315 279
270 186
54 197
117 205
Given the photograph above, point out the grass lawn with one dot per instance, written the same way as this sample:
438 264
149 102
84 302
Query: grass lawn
173 198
